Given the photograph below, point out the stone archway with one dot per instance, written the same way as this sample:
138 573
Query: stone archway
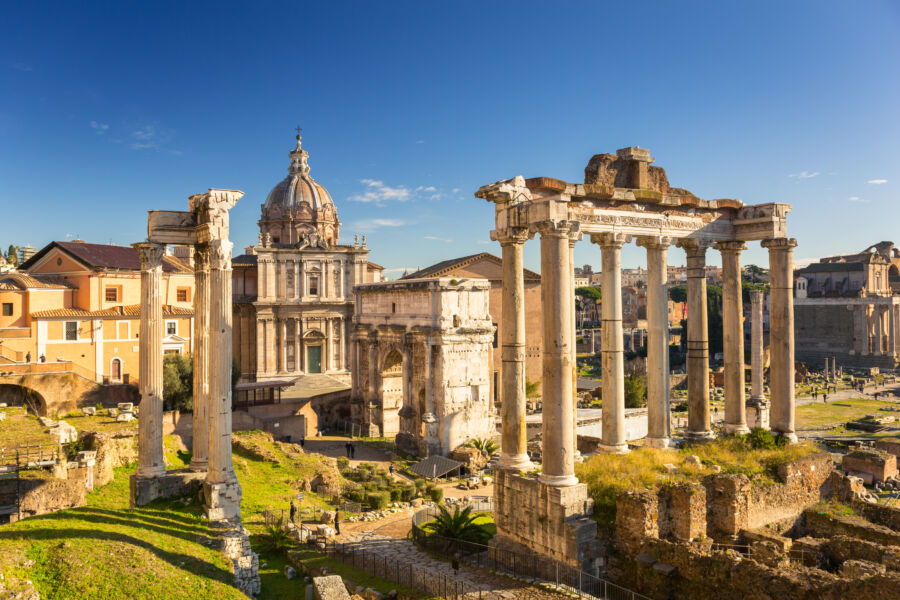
19 395
391 381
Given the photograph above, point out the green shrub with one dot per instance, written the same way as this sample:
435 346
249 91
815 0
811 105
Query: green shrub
420 484
436 494
408 492
275 538
396 493
378 500
343 463
680 407
761 439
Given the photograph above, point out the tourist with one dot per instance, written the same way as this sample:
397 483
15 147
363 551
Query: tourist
302 442
28 357
337 522
824 398
352 450
815 394
347 449
293 510
391 470
42 358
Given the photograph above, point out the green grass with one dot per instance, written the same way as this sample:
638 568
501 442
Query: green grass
608 475
20 429
837 412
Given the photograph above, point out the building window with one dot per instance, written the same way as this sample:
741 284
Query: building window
171 327
71 330
496 335
171 352
393 307
112 294
115 371
7 309
182 295
314 285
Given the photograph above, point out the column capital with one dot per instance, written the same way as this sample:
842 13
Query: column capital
730 246
556 228
610 239
201 257
150 253
783 244
756 296
694 246
655 242
220 254
512 235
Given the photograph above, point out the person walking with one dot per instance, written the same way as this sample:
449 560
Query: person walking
347 449
337 522
824 398
391 470
352 450
28 357
293 511
42 358
302 442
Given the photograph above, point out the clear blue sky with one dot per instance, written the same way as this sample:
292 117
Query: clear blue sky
110 109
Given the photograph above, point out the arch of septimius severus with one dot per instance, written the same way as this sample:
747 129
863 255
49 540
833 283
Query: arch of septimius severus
623 199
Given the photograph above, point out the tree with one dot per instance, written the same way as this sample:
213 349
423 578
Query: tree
635 390
532 388
12 255
678 293
459 525
178 382
592 292
484 445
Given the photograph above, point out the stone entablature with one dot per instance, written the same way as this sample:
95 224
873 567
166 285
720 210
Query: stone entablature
421 362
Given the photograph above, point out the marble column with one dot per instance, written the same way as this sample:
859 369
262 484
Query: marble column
151 461
781 334
222 490
298 365
659 426
199 426
329 345
733 336
513 444
756 346
574 236
270 348
284 344
558 466
612 351
866 335
895 330
697 342
878 323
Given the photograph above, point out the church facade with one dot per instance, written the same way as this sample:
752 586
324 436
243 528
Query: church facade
293 300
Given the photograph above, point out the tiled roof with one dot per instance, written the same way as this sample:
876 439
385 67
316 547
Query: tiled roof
105 256
131 310
446 266
374 266
22 281
244 260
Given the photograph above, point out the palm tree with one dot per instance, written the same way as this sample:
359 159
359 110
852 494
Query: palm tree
484 445
459 525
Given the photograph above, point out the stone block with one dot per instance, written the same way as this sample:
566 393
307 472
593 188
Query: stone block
222 500
64 433
845 487
174 484
858 569
685 506
126 406
113 412
880 465
330 587
89 411
637 518
889 445
124 417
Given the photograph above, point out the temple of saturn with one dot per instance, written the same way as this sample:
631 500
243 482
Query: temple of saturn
624 198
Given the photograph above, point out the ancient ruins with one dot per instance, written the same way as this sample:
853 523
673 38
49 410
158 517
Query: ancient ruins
623 198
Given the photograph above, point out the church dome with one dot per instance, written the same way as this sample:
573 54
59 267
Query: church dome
298 207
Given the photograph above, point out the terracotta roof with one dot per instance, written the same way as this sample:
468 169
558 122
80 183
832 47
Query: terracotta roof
244 260
372 265
23 281
131 310
446 266
105 256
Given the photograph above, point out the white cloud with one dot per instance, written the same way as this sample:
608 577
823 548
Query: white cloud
438 239
20 66
372 224
420 141
151 137
804 175
876 181
378 193
100 128
856 199
455 190
429 188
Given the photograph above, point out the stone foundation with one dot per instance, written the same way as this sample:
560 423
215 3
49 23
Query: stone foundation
174 484
534 517
236 546
222 500
757 414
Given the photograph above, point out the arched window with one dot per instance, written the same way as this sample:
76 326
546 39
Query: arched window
115 370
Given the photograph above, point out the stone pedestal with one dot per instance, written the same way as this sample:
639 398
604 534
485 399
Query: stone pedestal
173 484
535 517
221 500
757 413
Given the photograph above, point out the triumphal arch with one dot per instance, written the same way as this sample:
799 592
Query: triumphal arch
623 199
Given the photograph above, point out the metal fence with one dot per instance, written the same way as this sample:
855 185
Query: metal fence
531 567
797 555
404 573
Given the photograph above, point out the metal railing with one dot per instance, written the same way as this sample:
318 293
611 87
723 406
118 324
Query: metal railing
535 568
29 457
798 555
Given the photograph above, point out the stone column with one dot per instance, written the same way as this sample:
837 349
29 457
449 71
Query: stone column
878 339
345 364
151 462
281 288
284 344
659 427
221 489
697 341
199 426
756 346
271 354
612 351
329 345
864 319
558 467
781 334
573 239
513 445
297 344
895 330
733 336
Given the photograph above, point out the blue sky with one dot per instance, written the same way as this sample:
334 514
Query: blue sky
108 110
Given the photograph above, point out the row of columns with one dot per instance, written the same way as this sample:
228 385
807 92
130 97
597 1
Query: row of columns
273 341
275 283
212 370
878 329
559 419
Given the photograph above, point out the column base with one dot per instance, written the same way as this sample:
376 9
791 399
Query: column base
516 462
739 429
558 480
791 436
150 472
172 484
613 448
699 435
199 466
222 501
653 442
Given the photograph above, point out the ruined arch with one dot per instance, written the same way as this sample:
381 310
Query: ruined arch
19 395
391 390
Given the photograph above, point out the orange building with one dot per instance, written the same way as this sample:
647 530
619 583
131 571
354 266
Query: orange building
80 303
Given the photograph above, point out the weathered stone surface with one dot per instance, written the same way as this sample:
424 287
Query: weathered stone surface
173 484
330 587
472 458
880 465
327 516
857 569
889 445
64 433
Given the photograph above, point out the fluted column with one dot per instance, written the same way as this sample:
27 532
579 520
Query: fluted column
574 236
756 346
558 467
878 321
283 343
781 334
513 445
659 427
199 428
697 341
895 330
613 351
733 336
864 322
151 462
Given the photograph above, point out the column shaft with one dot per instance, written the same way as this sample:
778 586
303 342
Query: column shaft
284 344
867 332
513 445
151 461
756 345
658 409
558 467
878 342
697 342
781 334
612 351
733 336
199 428
573 239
